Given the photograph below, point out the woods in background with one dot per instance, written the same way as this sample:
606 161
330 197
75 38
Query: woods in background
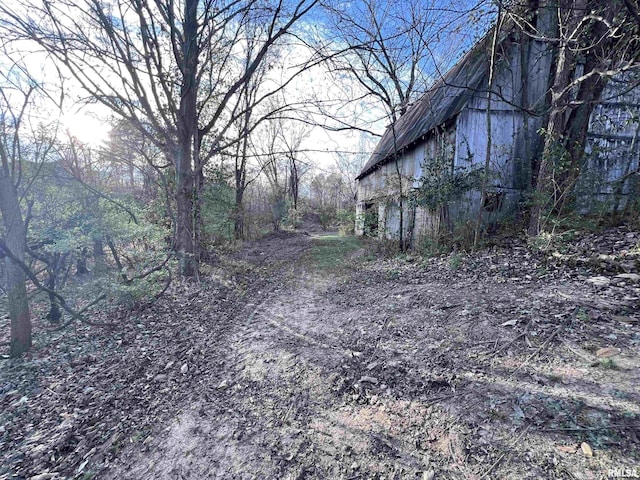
220 116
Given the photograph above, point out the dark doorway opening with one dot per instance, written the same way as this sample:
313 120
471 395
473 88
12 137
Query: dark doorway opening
371 219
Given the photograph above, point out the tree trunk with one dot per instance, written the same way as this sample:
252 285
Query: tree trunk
241 179
200 251
98 256
294 182
578 121
238 224
487 154
55 313
81 263
545 187
16 281
396 157
187 144
184 213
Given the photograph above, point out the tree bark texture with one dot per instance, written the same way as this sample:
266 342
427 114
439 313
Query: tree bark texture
81 263
16 281
55 314
186 149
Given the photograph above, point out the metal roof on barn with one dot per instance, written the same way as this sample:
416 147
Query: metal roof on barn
442 102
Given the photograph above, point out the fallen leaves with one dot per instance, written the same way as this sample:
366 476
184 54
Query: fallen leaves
99 390
368 379
567 448
599 281
634 277
432 355
44 476
586 449
510 323
223 385
429 475
607 352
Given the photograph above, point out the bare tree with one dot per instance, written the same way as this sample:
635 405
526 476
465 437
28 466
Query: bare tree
350 165
292 134
389 54
16 97
167 67
328 196
15 239
245 124
278 153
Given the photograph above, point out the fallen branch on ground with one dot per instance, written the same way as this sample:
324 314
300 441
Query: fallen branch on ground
84 320
588 429
507 345
576 352
510 449
545 343
75 315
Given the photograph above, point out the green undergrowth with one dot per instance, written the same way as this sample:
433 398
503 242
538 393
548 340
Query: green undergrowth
331 252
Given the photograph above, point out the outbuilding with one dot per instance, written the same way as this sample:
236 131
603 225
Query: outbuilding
446 131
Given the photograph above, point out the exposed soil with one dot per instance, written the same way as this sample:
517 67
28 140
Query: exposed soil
288 363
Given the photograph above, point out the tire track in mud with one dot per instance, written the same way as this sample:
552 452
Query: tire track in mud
289 356
276 408
375 376
202 429
250 422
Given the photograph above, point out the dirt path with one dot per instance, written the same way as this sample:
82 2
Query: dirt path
273 411
400 371
314 358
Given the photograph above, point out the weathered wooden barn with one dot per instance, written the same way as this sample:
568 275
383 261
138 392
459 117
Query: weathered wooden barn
447 127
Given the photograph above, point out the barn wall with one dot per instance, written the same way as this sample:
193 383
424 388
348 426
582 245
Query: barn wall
609 174
465 139
465 142
360 219
380 189
383 182
611 163
514 138
510 142
438 148
427 224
